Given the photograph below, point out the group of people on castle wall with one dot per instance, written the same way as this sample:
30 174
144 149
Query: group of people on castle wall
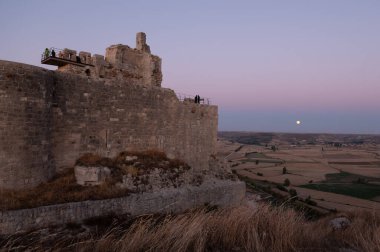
51 53
197 99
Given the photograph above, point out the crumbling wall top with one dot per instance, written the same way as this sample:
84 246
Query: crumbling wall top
141 44
123 63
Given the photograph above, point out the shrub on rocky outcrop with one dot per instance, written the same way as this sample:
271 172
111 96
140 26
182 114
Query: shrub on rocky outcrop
127 172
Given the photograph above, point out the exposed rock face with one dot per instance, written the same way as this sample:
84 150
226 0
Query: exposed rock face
148 171
89 176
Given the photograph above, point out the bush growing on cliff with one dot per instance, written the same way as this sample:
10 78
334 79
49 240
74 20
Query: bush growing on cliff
281 188
311 202
284 170
286 182
293 192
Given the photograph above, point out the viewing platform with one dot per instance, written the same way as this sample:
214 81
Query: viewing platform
59 57
191 98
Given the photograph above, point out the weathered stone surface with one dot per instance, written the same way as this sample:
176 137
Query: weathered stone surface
213 192
85 57
85 175
138 67
121 63
69 54
26 94
141 42
49 119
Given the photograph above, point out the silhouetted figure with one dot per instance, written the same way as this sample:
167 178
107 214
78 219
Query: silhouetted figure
53 53
197 99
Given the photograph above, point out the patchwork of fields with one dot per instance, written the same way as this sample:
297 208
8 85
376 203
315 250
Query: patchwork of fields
342 178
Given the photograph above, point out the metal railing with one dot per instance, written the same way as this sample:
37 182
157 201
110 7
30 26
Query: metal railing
62 54
191 98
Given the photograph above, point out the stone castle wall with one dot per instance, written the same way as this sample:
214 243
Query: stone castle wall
48 119
105 117
217 192
25 125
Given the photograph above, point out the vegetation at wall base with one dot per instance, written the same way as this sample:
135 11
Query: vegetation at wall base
63 187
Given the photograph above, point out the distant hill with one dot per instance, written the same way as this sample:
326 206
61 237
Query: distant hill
263 138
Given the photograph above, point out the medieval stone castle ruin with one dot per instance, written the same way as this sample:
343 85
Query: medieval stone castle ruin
121 63
102 105
112 103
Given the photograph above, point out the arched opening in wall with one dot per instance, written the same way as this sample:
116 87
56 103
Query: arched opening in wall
87 72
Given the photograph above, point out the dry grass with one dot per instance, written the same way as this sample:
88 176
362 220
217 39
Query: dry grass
63 188
238 229
90 159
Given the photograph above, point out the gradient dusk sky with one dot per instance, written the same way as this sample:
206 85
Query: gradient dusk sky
265 64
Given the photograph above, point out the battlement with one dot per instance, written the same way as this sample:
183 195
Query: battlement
121 63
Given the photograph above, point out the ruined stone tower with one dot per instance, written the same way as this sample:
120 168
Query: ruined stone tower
94 104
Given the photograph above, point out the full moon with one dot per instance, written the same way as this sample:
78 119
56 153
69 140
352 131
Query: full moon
298 122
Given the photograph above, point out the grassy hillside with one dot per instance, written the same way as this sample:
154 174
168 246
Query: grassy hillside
239 229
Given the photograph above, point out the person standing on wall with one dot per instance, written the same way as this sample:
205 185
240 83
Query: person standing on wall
47 53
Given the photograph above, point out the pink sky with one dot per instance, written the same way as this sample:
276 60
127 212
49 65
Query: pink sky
318 59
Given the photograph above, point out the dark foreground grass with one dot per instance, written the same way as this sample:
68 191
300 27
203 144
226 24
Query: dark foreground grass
237 229
62 189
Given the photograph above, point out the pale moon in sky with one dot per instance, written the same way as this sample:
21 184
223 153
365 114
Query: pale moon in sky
298 122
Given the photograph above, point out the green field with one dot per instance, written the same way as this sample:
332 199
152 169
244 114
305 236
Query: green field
363 191
255 155
268 160
346 177
347 184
